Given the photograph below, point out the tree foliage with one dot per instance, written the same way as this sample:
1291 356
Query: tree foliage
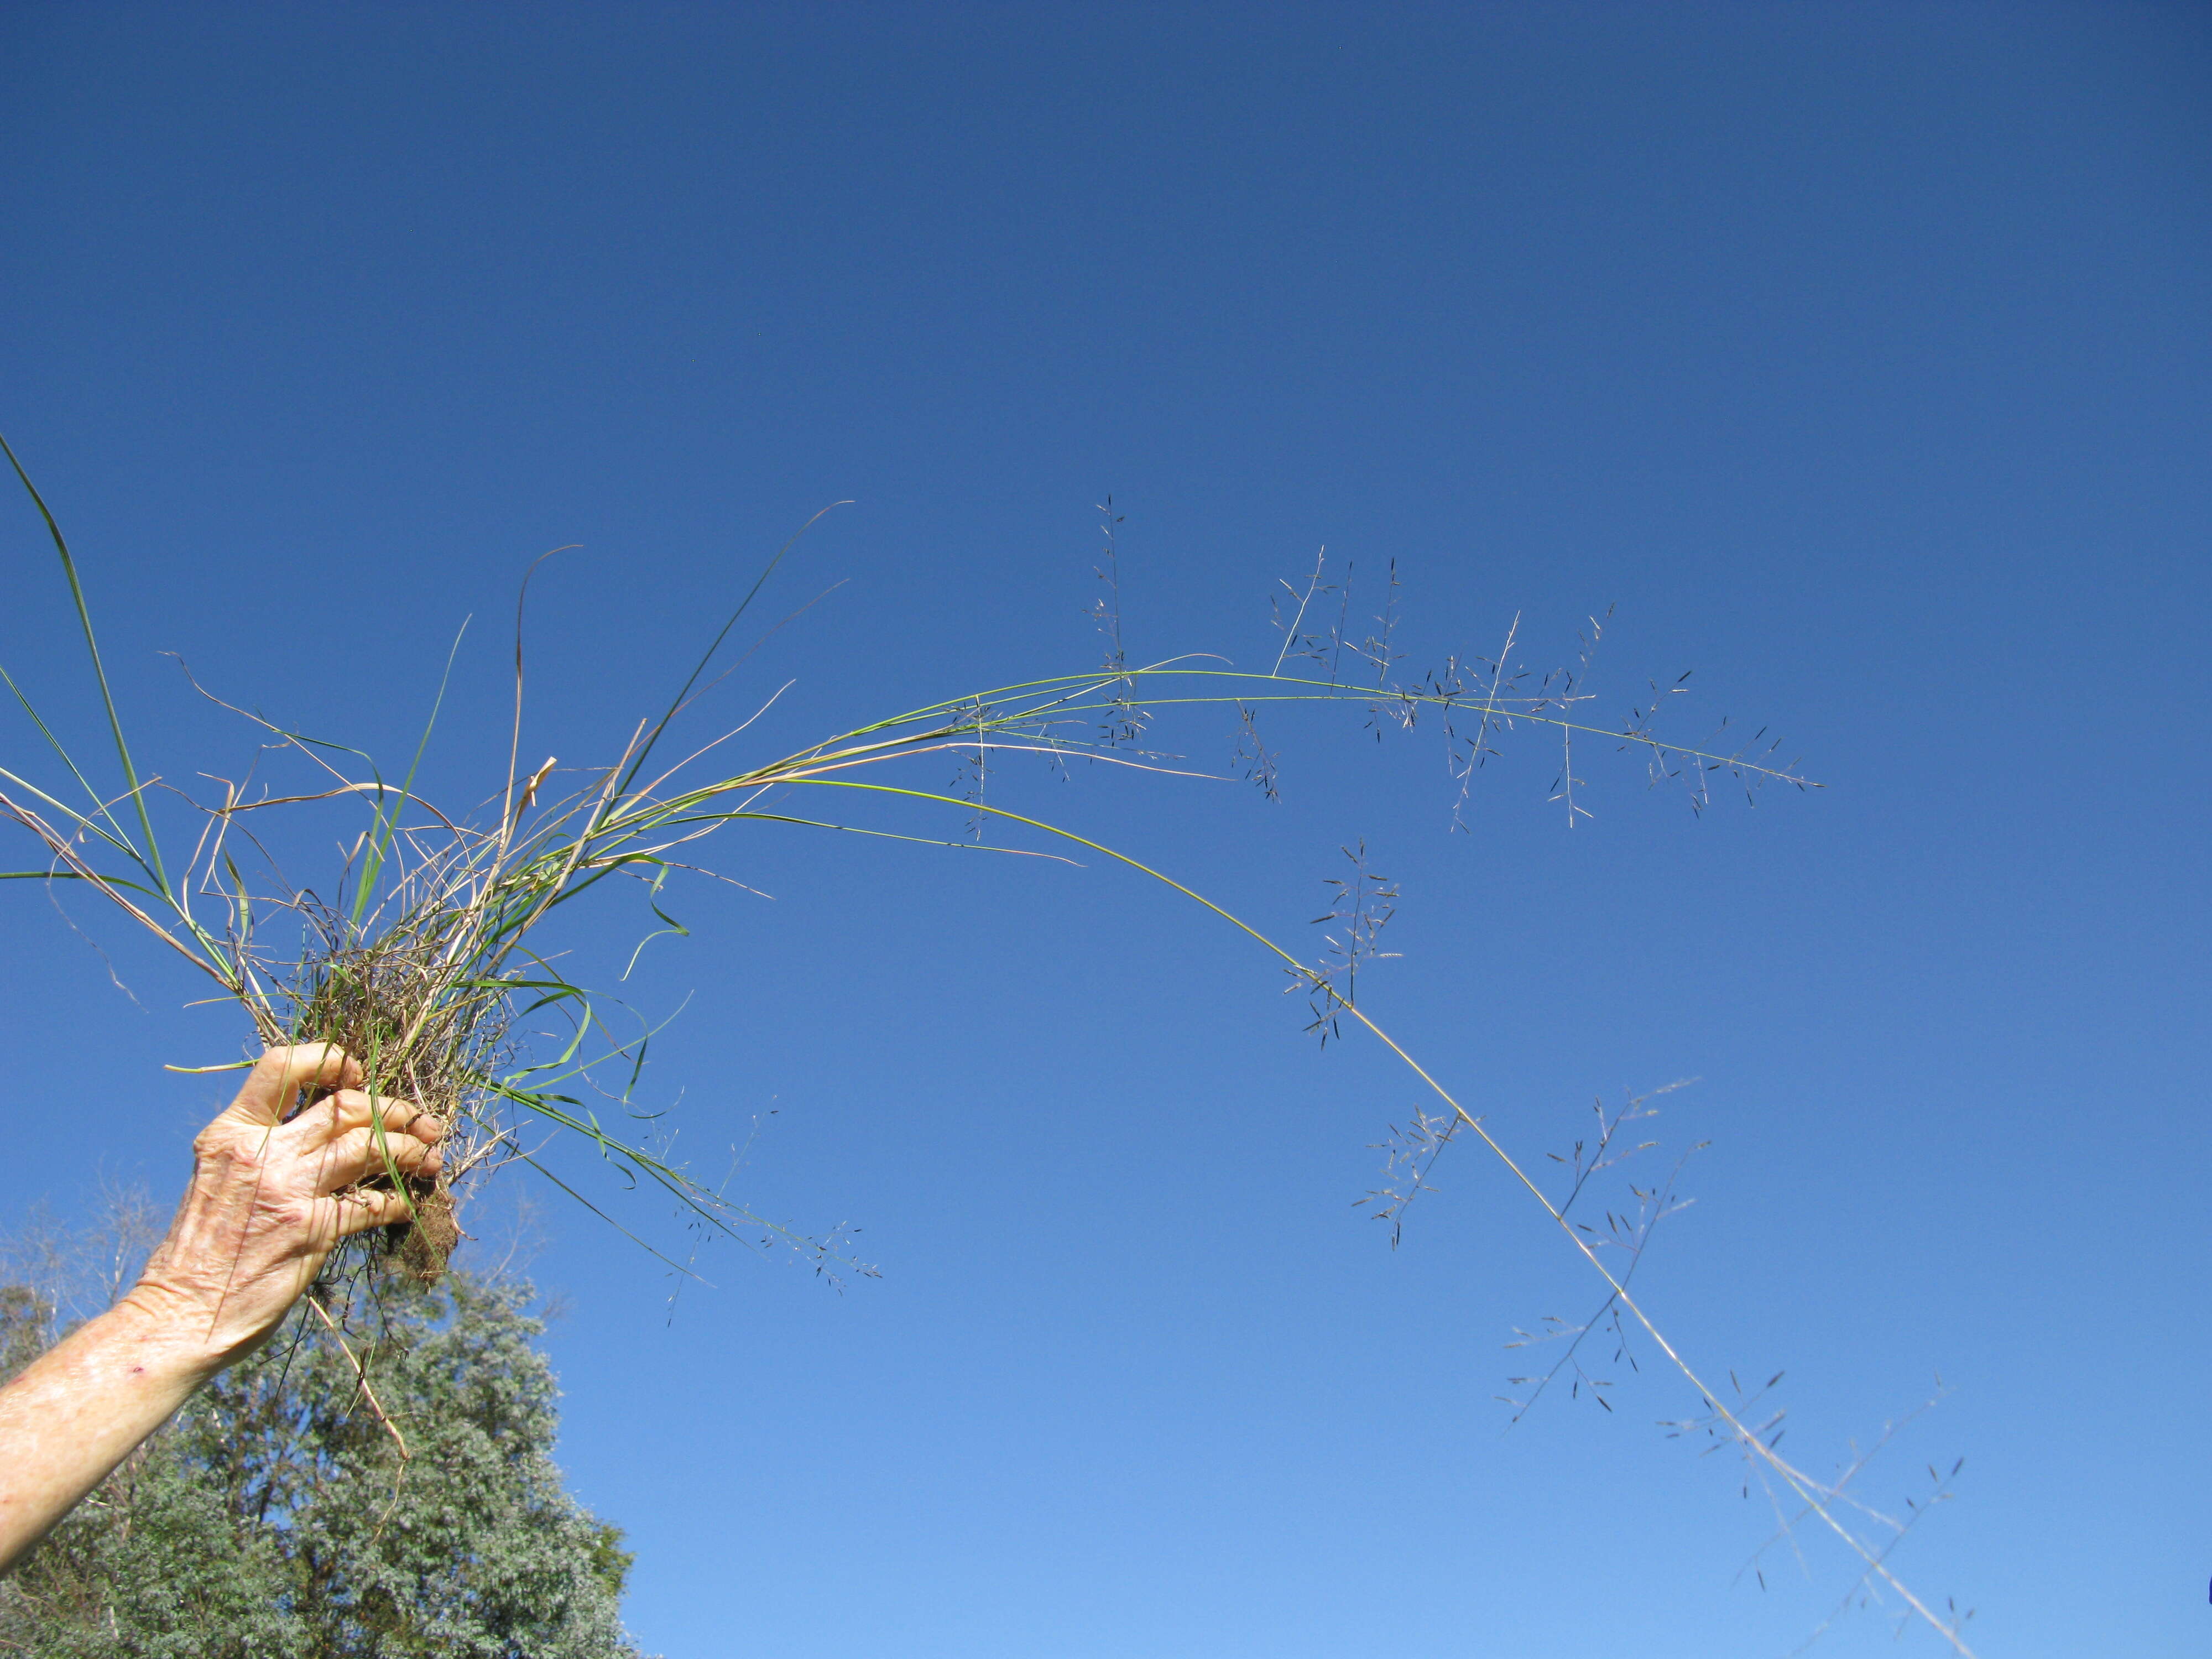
272 1519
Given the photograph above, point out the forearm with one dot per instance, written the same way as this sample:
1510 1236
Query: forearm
78 1410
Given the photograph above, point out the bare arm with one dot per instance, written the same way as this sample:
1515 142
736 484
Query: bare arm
267 1202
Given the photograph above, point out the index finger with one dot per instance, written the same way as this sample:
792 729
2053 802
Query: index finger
274 1084
347 1109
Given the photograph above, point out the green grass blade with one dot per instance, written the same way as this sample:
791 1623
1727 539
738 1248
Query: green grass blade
637 763
119 837
99 672
388 823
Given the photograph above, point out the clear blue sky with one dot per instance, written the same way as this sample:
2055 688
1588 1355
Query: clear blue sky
1858 354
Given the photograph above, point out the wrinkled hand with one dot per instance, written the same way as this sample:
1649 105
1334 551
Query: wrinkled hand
269 1199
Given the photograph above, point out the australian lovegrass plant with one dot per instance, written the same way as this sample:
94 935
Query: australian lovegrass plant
420 955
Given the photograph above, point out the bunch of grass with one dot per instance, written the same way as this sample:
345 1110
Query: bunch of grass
424 968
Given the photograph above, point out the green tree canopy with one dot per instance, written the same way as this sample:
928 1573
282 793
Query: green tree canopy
271 1519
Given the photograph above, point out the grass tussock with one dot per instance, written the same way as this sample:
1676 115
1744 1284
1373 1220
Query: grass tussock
425 965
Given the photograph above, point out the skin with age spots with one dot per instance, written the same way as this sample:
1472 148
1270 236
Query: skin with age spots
269 1197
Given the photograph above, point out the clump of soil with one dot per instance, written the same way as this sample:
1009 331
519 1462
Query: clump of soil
422 1247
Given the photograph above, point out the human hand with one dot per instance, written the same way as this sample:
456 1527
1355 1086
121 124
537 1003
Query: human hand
267 1200
269 1197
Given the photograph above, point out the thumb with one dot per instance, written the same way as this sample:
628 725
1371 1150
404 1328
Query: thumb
273 1086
